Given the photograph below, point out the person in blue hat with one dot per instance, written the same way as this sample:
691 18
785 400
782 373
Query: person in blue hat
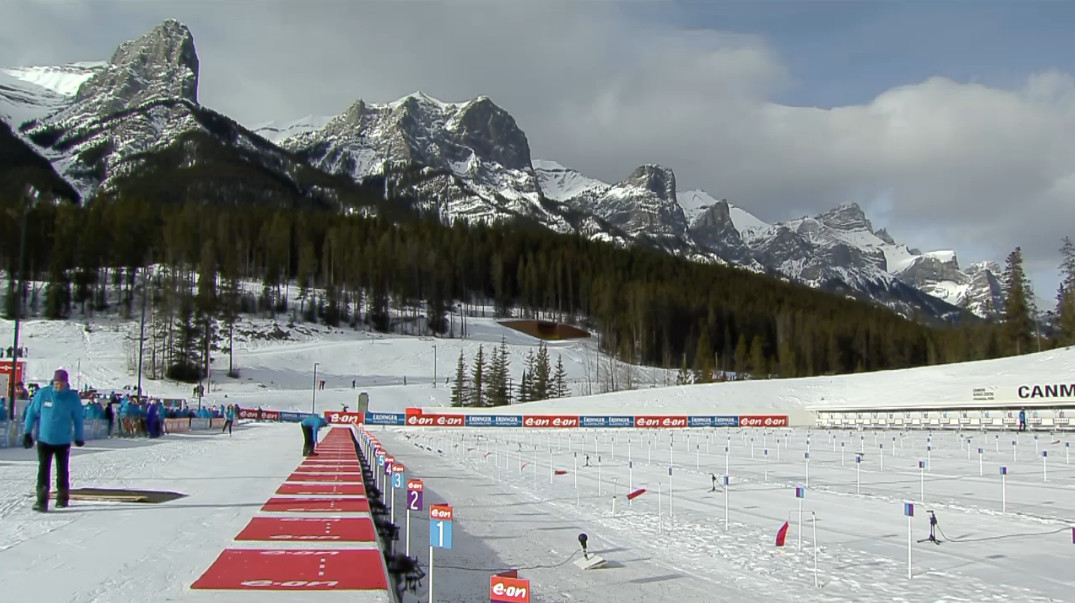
310 426
55 411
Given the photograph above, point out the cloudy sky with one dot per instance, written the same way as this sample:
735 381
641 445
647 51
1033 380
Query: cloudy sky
950 122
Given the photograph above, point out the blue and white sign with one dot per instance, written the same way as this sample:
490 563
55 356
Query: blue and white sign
440 526
397 480
385 418
380 460
479 420
726 421
621 421
908 509
593 421
800 492
507 421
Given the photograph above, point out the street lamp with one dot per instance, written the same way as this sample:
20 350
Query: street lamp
313 401
32 195
434 366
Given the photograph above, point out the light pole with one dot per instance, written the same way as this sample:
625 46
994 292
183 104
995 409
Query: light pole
142 338
313 401
434 366
32 195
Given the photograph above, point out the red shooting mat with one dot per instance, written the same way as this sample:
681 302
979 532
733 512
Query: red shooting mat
307 489
325 477
309 529
298 570
330 505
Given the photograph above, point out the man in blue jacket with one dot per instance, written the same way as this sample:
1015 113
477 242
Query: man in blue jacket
310 426
53 410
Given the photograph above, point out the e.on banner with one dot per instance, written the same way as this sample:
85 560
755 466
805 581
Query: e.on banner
550 421
763 421
509 590
345 418
660 422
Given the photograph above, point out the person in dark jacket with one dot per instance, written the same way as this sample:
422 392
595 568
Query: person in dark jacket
310 426
54 411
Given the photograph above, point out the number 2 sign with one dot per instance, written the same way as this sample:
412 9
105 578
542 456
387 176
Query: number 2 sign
414 494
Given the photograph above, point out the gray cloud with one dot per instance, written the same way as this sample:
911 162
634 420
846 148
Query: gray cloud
942 164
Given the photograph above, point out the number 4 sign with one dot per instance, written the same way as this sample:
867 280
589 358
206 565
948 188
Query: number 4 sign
414 494
440 526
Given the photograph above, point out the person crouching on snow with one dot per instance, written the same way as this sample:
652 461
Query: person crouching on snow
53 410
310 426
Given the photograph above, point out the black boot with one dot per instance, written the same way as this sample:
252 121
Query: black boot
41 505
62 499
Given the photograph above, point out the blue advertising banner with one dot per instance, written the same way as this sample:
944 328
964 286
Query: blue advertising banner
621 421
700 421
507 420
479 420
593 421
732 421
384 418
292 417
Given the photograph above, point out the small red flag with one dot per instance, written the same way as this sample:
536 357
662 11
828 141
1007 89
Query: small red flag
782 534
636 494
560 472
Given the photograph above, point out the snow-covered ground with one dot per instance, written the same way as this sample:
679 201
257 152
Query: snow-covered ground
529 519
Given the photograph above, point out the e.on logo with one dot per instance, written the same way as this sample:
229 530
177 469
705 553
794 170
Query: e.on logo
763 421
509 590
647 422
551 421
536 422
565 422
344 417
443 512
450 420
419 420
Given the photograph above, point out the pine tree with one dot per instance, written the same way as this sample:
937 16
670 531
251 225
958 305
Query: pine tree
477 380
560 378
1065 309
498 376
702 370
524 387
758 367
684 376
742 356
459 394
1018 322
542 373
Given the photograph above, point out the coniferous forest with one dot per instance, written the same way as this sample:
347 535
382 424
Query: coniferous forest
352 268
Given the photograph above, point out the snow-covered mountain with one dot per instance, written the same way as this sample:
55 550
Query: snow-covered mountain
136 118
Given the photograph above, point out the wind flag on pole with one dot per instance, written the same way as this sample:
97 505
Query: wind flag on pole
782 534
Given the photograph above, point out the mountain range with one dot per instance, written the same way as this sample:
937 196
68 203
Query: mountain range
135 121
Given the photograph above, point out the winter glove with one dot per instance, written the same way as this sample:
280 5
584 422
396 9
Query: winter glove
27 441
79 443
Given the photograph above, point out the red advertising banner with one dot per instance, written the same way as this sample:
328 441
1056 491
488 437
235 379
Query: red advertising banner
660 421
550 421
439 420
503 589
344 418
763 421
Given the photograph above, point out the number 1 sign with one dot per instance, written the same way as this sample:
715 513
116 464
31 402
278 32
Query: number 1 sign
440 535
440 526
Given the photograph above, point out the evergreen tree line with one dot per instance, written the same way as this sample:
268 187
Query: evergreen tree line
488 383
416 274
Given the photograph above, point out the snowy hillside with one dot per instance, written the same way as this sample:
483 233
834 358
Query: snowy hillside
520 497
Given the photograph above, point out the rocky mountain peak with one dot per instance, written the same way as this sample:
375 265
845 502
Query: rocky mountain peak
847 216
160 64
655 178
492 134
